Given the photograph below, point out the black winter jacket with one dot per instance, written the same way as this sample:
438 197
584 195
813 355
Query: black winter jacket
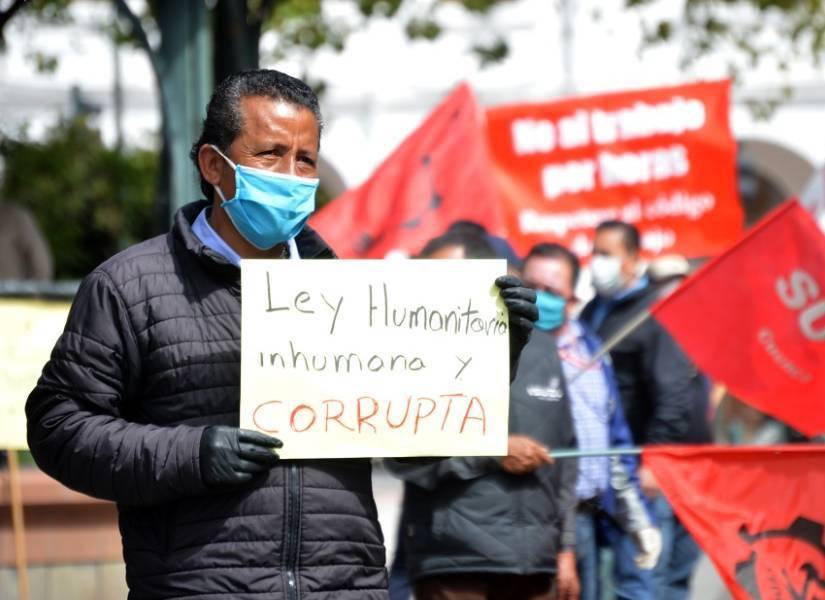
467 515
149 358
665 399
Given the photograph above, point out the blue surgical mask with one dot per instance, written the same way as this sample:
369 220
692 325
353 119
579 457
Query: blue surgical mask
268 208
551 310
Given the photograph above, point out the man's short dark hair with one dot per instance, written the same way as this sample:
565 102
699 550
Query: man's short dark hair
467 226
224 121
475 245
630 235
552 250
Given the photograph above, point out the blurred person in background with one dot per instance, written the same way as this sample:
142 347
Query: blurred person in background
487 528
738 423
663 395
667 272
501 247
610 510
24 253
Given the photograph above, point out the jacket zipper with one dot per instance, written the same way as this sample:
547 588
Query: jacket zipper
292 533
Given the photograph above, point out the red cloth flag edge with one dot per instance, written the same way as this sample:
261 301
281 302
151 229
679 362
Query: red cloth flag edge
439 174
720 317
757 512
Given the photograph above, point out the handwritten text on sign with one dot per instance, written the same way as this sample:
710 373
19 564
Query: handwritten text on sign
375 358
29 330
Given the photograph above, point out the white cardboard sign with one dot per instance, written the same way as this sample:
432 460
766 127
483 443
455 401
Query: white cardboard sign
370 358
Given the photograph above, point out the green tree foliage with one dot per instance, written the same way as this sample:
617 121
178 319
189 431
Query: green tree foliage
704 27
37 11
304 26
752 31
90 200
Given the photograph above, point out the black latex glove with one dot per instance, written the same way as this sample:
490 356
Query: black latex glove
521 305
229 455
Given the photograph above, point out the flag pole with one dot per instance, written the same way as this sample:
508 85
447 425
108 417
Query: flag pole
631 326
18 525
576 453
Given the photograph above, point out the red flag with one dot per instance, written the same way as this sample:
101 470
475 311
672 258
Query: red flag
438 175
757 513
754 318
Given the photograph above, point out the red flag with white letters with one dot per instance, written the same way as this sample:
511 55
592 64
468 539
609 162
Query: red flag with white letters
754 318
757 513
438 175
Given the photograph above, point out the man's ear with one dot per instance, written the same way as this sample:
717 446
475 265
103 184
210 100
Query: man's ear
211 164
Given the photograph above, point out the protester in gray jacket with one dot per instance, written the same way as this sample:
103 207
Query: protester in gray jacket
486 527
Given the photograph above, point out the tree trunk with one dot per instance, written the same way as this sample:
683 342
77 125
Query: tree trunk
236 33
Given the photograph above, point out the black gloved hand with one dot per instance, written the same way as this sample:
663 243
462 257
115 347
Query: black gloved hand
229 455
521 305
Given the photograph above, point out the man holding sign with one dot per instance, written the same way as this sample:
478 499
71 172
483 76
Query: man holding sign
140 401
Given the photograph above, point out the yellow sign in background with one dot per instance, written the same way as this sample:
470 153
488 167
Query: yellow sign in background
28 332
362 358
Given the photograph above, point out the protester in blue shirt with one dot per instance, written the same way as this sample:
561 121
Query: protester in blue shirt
610 508
664 396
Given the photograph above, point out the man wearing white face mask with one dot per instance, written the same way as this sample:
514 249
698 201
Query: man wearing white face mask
660 388
139 403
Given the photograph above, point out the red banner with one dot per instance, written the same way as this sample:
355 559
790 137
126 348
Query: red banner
439 174
754 318
757 513
662 159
